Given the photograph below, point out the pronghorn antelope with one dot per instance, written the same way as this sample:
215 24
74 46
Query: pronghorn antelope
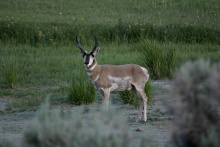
107 78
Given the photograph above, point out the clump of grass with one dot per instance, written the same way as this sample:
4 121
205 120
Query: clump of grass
196 107
81 91
160 63
9 75
128 97
59 128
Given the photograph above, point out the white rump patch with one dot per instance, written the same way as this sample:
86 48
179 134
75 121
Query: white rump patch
145 72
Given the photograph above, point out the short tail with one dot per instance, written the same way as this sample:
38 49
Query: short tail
146 73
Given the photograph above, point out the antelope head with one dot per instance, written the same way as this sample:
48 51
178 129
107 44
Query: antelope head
88 56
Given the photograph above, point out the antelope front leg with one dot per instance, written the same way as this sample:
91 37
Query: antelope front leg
105 97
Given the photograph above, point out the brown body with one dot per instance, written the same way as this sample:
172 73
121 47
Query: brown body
124 76
107 78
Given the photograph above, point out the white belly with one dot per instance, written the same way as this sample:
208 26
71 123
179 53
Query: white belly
120 84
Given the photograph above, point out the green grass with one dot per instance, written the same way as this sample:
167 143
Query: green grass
54 23
54 34
81 91
160 62
37 38
157 12
9 75
56 65
25 97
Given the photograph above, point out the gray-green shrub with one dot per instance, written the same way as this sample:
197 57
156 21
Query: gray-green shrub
81 91
68 129
196 107
6 143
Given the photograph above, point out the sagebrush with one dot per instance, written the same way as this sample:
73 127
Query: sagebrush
68 129
196 107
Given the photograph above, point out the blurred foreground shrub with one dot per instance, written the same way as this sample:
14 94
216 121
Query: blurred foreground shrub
196 108
5 143
68 129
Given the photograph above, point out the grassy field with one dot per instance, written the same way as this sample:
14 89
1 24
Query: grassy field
38 55
38 38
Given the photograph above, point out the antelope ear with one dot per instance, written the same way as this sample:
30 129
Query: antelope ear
96 51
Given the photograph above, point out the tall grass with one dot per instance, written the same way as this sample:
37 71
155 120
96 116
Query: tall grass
81 91
53 34
9 76
161 63
125 21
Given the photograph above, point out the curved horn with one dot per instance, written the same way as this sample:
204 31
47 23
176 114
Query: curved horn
96 43
79 45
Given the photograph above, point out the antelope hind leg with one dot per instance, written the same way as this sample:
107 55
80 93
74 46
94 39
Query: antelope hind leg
141 104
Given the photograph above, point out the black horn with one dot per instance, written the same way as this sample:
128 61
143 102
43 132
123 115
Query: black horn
96 43
79 45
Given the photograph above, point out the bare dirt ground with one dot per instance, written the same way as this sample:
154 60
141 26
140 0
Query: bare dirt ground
14 121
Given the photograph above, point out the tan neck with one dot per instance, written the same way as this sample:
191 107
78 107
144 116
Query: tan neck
93 71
